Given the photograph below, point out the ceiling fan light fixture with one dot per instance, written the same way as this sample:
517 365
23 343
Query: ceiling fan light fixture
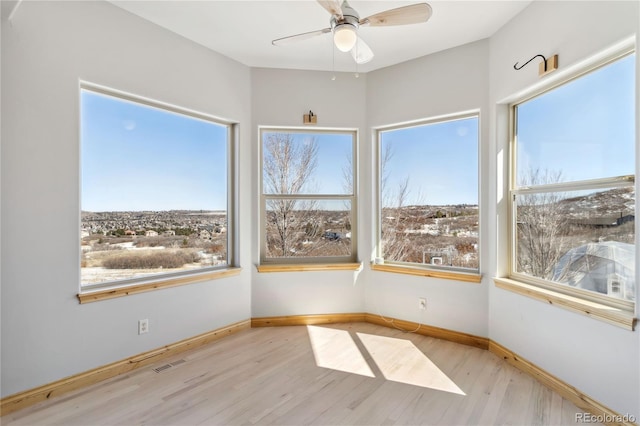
345 37
345 22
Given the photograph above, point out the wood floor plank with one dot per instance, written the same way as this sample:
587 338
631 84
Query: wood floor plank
484 368
268 376
514 408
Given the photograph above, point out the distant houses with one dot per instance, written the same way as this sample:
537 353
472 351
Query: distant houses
153 224
604 222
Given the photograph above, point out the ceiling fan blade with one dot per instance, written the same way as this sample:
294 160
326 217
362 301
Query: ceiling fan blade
361 52
332 6
299 37
412 14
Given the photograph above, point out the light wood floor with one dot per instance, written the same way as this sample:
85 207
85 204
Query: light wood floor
270 376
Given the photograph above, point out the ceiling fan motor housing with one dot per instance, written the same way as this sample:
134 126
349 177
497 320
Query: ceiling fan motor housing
349 17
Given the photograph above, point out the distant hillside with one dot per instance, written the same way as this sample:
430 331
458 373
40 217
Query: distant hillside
611 203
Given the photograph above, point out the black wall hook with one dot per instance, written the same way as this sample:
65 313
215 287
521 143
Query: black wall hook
515 66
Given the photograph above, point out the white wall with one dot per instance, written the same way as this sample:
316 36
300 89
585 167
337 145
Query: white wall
280 98
447 82
599 359
48 48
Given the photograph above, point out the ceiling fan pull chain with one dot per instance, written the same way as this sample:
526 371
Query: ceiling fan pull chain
356 74
333 61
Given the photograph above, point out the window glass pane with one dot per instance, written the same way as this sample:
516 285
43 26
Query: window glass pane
583 239
429 194
308 228
307 163
582 130
154 190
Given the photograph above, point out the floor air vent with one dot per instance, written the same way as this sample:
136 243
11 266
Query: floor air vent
168 366
162 368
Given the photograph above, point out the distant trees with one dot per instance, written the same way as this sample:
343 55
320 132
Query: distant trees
396 245
415 232
150 260
312 229
184 231
288 167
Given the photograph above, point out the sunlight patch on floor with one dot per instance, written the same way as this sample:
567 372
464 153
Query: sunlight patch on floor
400 360
335 349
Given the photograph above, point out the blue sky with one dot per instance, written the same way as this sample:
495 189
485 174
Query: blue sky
427 154
585 128
141 158
138 158
439 159
334 154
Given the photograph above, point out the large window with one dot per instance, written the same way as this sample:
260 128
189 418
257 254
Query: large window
155 190
572 186
428 194
308 198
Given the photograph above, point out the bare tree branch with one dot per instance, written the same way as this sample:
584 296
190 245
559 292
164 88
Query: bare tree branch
541 226
288 168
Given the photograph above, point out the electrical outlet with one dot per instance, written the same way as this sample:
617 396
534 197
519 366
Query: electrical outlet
422 303
143 326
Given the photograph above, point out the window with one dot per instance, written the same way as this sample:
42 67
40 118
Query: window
155 190
428 194
308 198
573 187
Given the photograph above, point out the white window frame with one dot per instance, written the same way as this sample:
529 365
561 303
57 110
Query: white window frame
352 198
587 184
110 289
439 271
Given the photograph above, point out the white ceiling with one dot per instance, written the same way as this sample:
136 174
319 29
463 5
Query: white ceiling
243 29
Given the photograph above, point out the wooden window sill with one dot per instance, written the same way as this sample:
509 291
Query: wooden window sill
611 315
423 272
308 267
113 292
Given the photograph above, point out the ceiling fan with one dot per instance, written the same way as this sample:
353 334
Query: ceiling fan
345 21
